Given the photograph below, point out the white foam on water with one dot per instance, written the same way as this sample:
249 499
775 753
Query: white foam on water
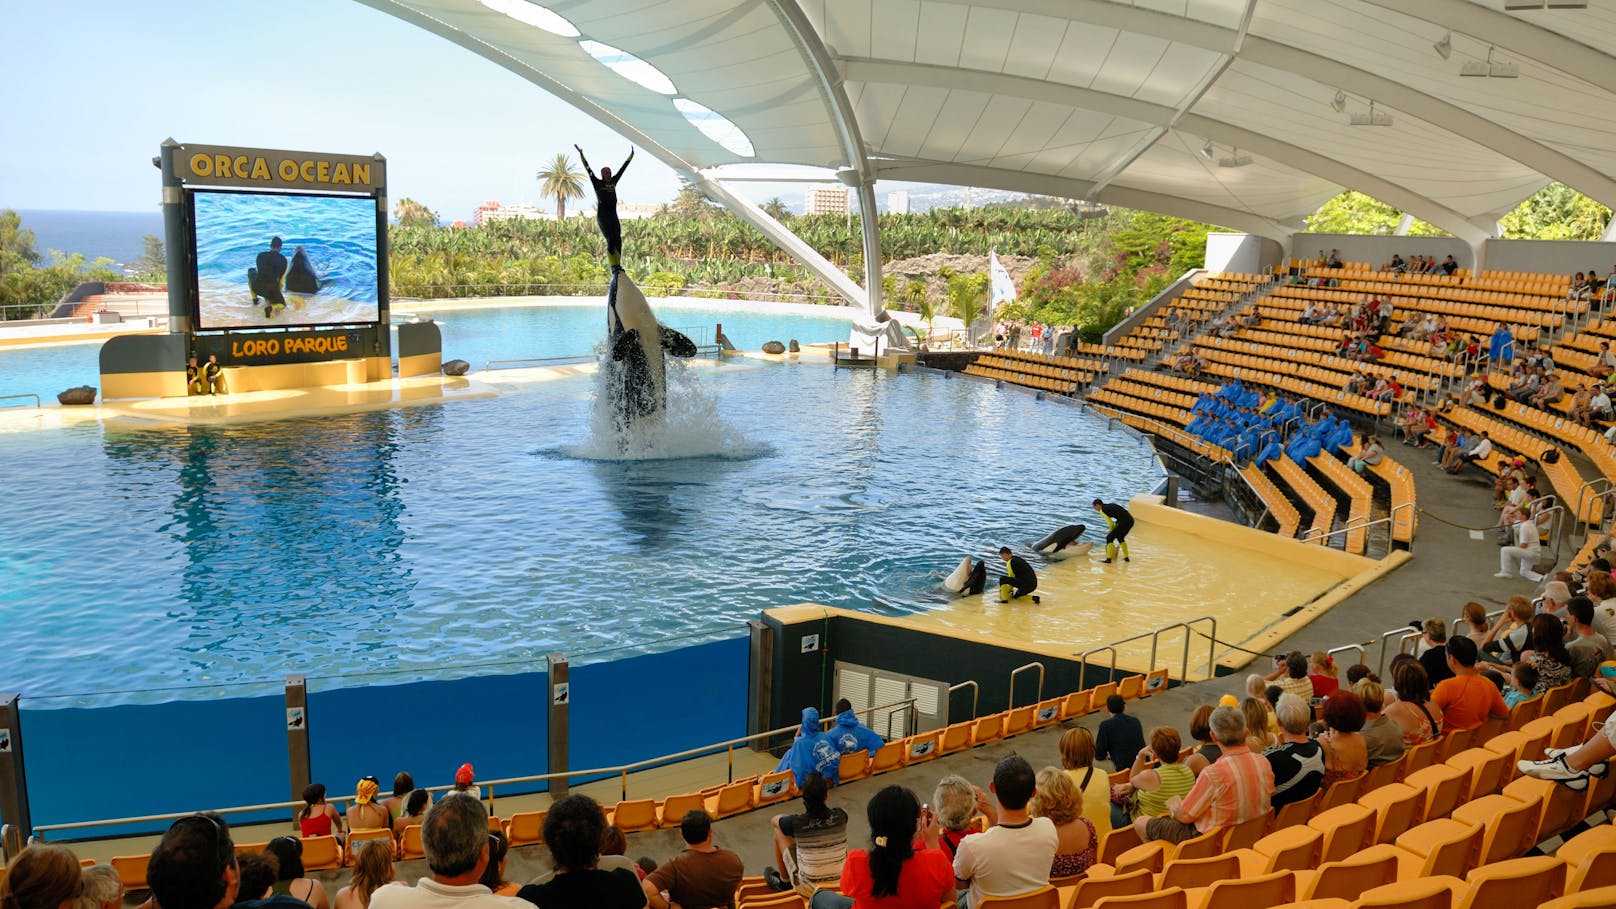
689 425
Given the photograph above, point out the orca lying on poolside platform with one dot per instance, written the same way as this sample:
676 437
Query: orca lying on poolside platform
637 342
1064 543
968 579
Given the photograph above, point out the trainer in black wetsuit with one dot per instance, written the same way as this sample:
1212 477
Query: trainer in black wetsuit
1020 579
1120 522
606 206
265 279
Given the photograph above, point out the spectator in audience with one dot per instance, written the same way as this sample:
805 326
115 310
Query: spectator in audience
812 752
1599 404
43 877
1382 736
1573 766
256 890
466 782
494 875
317 817
1149 789
1415 424
1409 711
1120 737
959 804
1482 449
1548 653
1604 362
1370 453
403 785
1057 798
1015 854
1346 753
1207 751
1522 687
103 888
809 848
850 735
1077 757
1521 557
455 839
893 874
1257 687
291 878
1258 738
1290 673
1602 591
1579 287
1448 266
192 867
414 812
1587 648
573 830
1467 699
1550 390
1396 265
1358 672
1501 346
1232 791
1507 637
373 868
1322 674
365 813
1297 762
702 875
614 853
1474 616
1432 649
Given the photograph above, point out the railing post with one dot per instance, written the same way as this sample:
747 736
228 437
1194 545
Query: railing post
13 781
560 704
297 735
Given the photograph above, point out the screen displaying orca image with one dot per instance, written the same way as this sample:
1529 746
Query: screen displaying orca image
266 260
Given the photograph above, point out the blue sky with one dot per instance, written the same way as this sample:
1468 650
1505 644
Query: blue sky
97 85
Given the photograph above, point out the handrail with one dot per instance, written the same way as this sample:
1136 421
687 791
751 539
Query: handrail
1188 625
539 360
10 841
1019 670
1587 487
976 694
1363 654
27 394
1385 636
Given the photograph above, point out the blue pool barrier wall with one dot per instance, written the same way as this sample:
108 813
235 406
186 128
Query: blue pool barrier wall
661 703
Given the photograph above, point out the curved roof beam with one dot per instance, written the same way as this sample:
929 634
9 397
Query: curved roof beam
1551 163
1549 48
860 69
925 171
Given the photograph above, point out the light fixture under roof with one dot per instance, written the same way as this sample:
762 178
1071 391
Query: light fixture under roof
1373 118
1339 102
1235 159
716 127
535 15
1206 150
1444 48
629 67
1497 69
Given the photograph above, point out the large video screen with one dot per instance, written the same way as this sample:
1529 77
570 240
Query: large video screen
274 259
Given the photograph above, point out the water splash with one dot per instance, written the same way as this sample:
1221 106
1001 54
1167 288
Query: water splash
688 426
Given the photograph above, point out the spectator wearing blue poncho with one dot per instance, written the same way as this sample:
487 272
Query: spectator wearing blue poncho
850 735
1501 348
812 752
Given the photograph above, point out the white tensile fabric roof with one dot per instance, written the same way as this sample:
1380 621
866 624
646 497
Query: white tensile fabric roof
1111 101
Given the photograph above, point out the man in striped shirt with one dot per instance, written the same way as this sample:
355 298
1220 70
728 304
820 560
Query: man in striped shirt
1232 790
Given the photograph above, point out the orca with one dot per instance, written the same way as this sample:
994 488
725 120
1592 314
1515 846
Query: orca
636 343
1064 543
969 578
300 276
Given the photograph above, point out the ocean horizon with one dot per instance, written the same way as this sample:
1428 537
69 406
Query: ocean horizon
116 235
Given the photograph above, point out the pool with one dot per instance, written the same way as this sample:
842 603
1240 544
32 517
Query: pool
498 332
442 541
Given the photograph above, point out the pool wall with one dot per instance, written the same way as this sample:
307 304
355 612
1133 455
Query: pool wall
98 763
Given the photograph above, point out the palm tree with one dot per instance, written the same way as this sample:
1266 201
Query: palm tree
776 209
561 181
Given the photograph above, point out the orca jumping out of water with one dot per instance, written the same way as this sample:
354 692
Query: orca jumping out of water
637 344
300 276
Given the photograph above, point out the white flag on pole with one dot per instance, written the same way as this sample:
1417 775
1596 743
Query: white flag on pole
1004 290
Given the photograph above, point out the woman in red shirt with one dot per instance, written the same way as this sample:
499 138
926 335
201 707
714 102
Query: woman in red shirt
892 874
317 817
1321 671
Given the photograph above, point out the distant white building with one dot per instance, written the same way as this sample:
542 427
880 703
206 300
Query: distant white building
898 202
826 200
496 211
635 211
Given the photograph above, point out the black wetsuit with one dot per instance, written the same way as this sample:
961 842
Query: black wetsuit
1022 579
266 278
606 208
1121 522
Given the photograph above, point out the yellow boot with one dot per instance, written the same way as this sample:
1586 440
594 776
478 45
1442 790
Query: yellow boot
1004 593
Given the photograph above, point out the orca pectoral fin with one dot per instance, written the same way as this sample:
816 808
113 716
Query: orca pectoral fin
627 344
676 343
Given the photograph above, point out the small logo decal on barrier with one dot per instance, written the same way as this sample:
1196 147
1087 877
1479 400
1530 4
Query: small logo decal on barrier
1047 714
921 749
5 741
294 718
561 694
770 790
810 643
1156 683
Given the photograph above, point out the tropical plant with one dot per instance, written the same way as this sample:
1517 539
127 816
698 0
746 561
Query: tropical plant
410 213
562 182
1353 212
967 298
776 209
1556 212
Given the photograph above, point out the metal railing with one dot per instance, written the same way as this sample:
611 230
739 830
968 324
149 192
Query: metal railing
523 362
907 705
23 395
1587 494
1028 668
1363 522
1363 654
1407 634
976 695
1155 640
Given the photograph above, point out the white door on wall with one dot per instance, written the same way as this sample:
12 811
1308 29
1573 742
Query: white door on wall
866 687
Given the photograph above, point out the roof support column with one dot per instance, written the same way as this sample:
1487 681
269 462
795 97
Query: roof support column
822 268
1609 236
870 224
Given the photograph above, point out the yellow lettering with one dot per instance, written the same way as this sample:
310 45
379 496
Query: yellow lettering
221 165
361 174
235 349
306 171
323 171
342 342
201 165
260 169
339 174
241 167
288 170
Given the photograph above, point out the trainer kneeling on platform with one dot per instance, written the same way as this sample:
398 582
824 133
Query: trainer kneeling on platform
1120 522
1019 579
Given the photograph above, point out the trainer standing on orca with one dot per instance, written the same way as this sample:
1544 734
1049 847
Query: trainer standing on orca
606 207
1120 522
1019 579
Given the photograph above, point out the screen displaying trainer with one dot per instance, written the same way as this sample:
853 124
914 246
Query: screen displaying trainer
276 259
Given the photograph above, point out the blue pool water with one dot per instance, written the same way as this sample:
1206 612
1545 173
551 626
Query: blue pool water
480 335
463 538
